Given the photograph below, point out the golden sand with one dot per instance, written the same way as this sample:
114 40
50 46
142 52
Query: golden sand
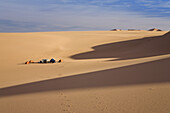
101 72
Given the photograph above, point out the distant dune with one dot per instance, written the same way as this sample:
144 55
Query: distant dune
101 72
154 29
130 49
116 30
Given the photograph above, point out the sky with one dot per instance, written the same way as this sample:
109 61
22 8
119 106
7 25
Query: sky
83 15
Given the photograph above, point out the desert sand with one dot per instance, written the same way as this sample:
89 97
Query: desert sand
101 72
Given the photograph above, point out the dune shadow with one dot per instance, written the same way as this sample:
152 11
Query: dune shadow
144 73
131 49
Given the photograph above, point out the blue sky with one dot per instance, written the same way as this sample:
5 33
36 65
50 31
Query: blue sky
83 15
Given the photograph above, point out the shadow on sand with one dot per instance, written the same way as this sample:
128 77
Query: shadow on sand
145 73
132 49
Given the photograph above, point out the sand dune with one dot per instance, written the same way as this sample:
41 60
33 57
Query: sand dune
154 29
102 72
131 49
